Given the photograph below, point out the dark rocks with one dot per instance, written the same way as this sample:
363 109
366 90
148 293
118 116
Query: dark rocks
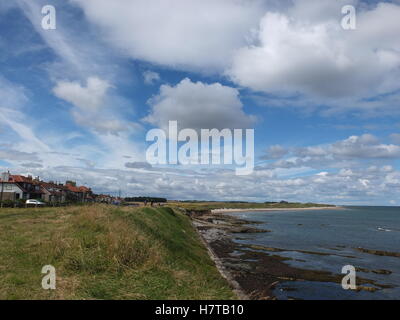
379 252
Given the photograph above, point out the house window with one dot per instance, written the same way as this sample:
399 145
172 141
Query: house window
17 195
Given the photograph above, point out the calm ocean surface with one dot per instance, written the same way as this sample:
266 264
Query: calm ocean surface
337 232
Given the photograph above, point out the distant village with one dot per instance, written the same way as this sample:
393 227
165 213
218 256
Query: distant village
18 188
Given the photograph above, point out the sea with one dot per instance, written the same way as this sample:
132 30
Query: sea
338 233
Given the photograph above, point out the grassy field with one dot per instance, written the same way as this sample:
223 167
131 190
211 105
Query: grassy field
104 252
240 205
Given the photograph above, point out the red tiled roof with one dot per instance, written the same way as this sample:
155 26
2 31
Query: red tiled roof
18 178
23 179
73 188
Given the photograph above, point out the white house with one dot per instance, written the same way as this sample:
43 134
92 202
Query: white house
11 191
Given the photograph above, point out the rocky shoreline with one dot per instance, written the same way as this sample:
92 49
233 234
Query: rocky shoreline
254 271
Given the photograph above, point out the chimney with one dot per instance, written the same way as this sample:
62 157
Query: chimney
5 176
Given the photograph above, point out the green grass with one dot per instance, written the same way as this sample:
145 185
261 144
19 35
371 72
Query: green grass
103 252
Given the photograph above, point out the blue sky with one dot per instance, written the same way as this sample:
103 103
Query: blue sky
77 102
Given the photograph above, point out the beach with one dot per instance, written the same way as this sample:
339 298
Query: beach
225 210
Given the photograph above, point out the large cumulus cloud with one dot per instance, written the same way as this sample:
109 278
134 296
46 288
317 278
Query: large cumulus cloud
312 54
198 105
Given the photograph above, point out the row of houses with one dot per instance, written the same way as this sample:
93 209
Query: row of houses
18 187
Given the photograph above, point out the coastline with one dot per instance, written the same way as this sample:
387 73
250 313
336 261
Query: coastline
254 271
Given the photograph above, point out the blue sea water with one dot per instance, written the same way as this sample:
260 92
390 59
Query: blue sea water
339 233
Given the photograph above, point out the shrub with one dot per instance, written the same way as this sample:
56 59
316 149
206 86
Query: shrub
20 203
7 204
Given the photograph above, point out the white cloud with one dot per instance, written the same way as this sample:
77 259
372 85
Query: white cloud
186 34
12 95
275 152
89 97
150 77
305 50
16 121
22 143
32 165
92 105
365 147
198 105
100 123
393 178
15 155
346 154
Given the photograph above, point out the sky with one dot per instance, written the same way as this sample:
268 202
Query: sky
77 102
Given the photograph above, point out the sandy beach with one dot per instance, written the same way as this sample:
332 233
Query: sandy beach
225 210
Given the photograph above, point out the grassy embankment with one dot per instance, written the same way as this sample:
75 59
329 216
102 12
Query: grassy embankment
103 252
244 205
